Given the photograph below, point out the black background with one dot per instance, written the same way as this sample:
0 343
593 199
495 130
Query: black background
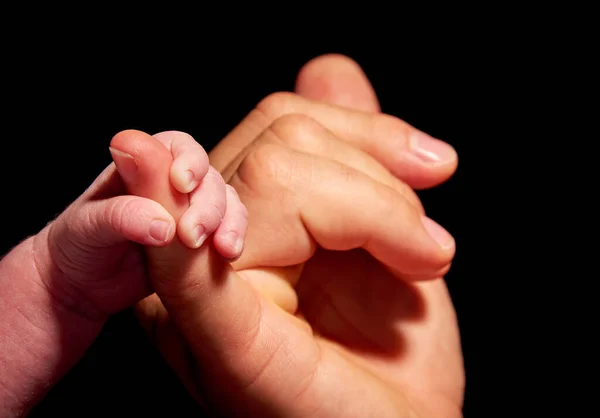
65 104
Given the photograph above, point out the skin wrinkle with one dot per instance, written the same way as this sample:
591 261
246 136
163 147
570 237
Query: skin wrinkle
246 387
84 308
115 214
62 252
310 380
9 391
220 295
38 342
256 327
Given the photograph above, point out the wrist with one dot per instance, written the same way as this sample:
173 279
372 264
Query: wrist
67 297
42 333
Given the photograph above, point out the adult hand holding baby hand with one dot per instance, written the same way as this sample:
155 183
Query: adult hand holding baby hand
337 306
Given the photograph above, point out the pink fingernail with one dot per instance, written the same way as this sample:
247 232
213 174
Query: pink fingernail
239 245
189 177
431 150
126 165
439 234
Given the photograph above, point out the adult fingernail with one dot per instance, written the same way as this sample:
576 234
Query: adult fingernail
199 236
439 234
160 230
431 150
126 165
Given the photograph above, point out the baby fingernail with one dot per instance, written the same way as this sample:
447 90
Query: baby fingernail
189 178
199 236
239 245
236 242
430 150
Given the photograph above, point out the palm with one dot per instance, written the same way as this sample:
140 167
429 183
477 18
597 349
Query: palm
375 332
401 333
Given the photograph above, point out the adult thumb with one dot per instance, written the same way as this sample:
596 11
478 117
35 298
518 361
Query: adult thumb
339 80
217 312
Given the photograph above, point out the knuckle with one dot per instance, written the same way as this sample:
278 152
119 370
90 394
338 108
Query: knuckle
277 104
213 211
262 369
117 212
297 131
209 216
391 204
390 126
184 138
214 176
265 166
187 145
196 148
410 195
348 174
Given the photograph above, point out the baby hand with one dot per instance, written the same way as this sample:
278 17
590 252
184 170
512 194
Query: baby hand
212 205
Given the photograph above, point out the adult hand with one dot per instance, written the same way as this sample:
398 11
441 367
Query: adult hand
339 243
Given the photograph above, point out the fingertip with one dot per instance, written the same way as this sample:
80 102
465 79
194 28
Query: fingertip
133 218
427 161
231 235
190 161
183 177
444 240
230 244
129 141
126 166
120 138
138 157
161 231
438 274
160 228
191 234
337 79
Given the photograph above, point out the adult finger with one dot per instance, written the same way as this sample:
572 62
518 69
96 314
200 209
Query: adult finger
145 177
411 155
304 134
228 326
339 208
339 80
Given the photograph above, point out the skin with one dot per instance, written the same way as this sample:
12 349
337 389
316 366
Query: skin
58 288
51 318
328 290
